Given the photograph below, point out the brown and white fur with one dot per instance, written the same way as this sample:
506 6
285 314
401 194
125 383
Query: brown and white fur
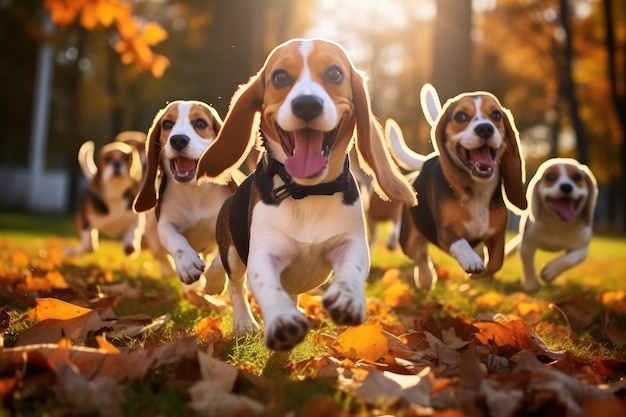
186 212
562 196
136 139
460 186
310 99
106 205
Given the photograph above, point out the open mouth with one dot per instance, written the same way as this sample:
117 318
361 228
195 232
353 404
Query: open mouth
307 150
183 169
480 162
565 207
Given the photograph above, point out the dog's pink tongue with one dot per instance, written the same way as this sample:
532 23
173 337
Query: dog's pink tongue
565 208
307 159
482 158
185 164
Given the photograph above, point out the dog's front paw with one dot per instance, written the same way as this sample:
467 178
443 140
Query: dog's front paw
286 330
188 267
472 264
551 271
467 258
345 306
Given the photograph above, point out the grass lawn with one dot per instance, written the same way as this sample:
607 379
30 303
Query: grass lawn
583 313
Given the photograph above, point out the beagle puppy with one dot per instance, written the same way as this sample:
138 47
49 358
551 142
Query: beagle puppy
106 205
462 207
136 139
562 196
298 217
185 212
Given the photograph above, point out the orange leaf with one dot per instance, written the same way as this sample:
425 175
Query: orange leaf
52 308
490 299
362 342
21 258
104 345
398 294
153 33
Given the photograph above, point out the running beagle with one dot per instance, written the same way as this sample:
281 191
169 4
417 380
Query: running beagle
185 211
106 205
562 196
298 217
477 157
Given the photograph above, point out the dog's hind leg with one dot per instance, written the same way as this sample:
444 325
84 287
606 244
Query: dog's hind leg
243 319
556 266
214 274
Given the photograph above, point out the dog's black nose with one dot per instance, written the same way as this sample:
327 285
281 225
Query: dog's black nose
484 130
178 142
566 188
307 107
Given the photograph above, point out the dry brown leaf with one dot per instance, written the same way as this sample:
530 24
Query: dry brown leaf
213 393
82 395
53 330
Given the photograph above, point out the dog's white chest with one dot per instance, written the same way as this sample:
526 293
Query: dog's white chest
478 227
304 237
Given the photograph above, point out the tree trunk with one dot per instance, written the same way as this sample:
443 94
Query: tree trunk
452 67
617 205
567 87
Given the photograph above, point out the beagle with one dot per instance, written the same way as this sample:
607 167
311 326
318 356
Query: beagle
562 196
136 139
106 205
298 217
185 211
462 208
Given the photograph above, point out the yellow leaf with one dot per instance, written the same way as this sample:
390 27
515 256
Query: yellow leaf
490 299
153 33
52 308
362 342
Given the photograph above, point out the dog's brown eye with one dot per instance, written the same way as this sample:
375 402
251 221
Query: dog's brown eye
577 177
550 177
281 79
460 117
167 125
496 115
201 124
333 75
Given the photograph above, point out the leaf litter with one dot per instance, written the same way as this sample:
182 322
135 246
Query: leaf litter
407 360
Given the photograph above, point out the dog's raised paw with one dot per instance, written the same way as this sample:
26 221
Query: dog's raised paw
345 307
188 268
286 332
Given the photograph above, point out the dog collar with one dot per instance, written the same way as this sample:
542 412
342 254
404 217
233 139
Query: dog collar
296 191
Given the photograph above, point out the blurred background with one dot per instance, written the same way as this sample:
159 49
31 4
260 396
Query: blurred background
77 70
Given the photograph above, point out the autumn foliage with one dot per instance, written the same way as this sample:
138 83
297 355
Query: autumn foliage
63 339
136 38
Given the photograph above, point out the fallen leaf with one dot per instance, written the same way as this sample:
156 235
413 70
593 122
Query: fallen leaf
362 342
52 330
52 308
82 395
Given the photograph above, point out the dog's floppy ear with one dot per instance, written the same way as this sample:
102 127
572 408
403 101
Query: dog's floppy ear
453 172
135 170
512 165
372 150
534 197
590 204
234 141
147 196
